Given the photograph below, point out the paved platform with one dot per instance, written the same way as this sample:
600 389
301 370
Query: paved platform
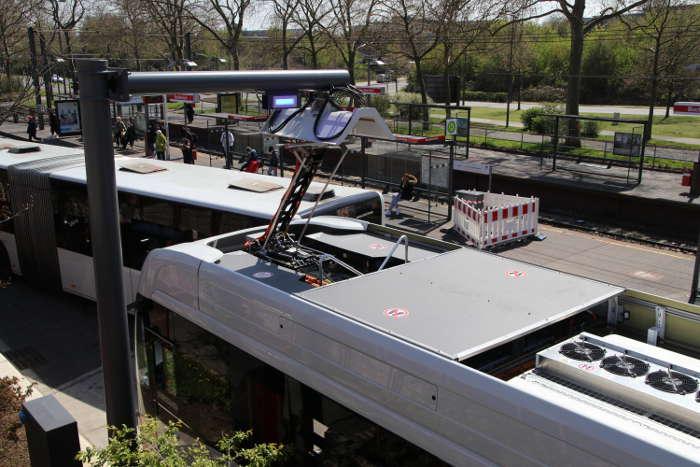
631 265
655 184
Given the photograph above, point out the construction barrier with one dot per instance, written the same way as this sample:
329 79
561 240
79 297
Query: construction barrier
499 219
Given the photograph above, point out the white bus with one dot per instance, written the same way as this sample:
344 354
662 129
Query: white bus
161 203
394 350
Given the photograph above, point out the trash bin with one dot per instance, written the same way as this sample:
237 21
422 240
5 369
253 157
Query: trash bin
52 433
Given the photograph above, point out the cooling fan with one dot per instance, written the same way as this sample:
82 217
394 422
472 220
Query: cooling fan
582 351
672 381
623 365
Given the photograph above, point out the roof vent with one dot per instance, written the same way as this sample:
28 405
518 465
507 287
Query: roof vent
24 149
140 167
256 186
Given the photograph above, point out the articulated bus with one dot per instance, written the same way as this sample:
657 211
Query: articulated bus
161 203
396 349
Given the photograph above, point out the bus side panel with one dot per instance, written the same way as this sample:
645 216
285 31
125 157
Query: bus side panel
78 275
8 240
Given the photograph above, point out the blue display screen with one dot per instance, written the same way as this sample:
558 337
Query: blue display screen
286 101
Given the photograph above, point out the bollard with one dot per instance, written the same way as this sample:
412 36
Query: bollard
52 433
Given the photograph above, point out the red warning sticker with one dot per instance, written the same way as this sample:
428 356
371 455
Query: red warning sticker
395 313
515 274
377 246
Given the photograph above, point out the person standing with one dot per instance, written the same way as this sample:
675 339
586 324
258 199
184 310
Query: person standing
53 123
188 149
31 127
226 141
408 182
161 143
130 133
120 133
150 139
189 112
274 161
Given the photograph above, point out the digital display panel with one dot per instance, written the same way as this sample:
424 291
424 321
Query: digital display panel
285 101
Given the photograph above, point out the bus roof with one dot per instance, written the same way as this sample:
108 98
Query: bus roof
46 151
197 185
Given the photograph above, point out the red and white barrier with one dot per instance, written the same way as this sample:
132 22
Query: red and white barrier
511 218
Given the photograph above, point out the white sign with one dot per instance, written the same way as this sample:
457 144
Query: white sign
473 167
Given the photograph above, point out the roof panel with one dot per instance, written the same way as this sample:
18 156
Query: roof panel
462 302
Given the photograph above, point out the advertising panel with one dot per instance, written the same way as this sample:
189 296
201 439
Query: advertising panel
68 112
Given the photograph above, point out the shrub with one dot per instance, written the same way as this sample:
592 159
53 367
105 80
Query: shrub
409 98
544 93
484 96
382 103
152 446
535 121
590 129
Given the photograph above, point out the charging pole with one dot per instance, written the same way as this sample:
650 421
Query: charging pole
106 244
97 85
695 285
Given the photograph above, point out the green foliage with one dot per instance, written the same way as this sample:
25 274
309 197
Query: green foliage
590 129
156 445
382 103
485 96
544 93
535 121
416 113
11 85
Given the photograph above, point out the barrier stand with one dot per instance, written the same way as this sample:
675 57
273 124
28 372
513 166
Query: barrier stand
501 219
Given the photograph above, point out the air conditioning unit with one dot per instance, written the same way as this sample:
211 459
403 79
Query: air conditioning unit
661 384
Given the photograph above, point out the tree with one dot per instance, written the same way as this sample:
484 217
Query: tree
172 21
224 22
667 31
417 34
153 446
284 11
348 28
309 16
463 21
579 27
15 15
66 14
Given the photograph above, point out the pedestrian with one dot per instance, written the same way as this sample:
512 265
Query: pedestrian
189 112
130 133
188 149
150 139
226 141
53 123
252 164
161 144
31 127
408 182
274 161
120 133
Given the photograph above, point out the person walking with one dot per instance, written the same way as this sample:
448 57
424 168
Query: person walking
130 133
408 182
120 133
31 127
274 161
189 112
188 150
53 123
161 143
226 141
150 139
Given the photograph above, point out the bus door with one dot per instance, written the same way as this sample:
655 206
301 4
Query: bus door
159 386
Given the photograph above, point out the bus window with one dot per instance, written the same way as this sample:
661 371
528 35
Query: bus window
6 223
71 215
231 222
196 220
147 223
369 210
